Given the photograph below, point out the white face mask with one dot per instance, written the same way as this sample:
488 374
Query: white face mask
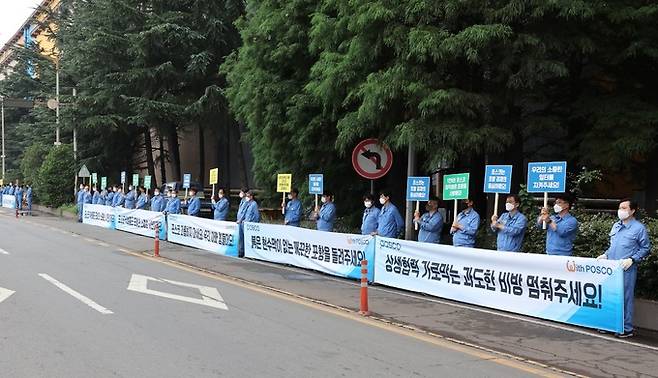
289 196
509 206
382 200
241 195
156 193
220 195
247 199
367 204
623 214
557 208
324 200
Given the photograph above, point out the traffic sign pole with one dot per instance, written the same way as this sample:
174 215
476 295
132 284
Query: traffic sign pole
418 211
283 204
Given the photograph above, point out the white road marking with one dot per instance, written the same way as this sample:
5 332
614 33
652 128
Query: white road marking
3 252
5 293
210 295
102 244
76 295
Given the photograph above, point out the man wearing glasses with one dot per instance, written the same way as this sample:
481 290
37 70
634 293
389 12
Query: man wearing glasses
561 228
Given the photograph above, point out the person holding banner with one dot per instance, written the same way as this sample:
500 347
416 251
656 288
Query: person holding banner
119 198
629 243
465 228
193 204
431 223
389 222
109 198
220 205
293 214
561 229
326 215
173 205
95 195
370 218
157 201
510 227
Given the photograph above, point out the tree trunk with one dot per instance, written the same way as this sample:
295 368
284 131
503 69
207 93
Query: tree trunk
651 189
202 156
148 147
163 169
174 152
242 166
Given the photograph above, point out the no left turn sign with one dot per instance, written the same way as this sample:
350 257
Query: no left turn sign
372 159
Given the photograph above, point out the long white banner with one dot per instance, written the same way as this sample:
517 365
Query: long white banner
9 201
572 290
99 215
328 252
141 222
207 234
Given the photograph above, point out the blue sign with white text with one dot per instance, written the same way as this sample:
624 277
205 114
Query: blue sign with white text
418 188
315 183
547 177
498 179
186 180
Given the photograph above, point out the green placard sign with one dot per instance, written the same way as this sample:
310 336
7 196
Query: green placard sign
103 182
135 179
147 182
455 187
94 178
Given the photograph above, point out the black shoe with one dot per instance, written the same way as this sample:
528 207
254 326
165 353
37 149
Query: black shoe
625 335
603 331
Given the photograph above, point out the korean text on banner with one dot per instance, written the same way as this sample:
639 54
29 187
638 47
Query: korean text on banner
498 179
455 187
99 215
547 177
140 222
418 188
574 290
328 252
8 201
210 235
284 183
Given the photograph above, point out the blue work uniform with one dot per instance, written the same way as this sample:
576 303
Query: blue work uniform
429 227
12 190
109 200
19 198
79 201
240 214
96 197
157 203
220 209
142 201
87 198
389 223
173 206
510 238
130 200
629 240
293 214
28 199
251 213
369 221
327 217
470 221
560 241
194 206
119 199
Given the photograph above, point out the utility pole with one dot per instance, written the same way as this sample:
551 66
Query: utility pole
57 142
409 213
2 99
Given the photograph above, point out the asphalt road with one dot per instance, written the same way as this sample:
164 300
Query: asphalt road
71 314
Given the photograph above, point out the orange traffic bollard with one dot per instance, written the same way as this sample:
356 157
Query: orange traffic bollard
156 252
364 288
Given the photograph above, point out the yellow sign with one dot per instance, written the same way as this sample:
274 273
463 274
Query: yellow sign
214 174
284 183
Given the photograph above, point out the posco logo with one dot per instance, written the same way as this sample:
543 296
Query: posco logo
591 269
390 245
358 241
252 227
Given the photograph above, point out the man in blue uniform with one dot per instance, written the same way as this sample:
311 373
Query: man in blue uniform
561 229
293 214
80 198
157 201
28 199
109 199
193 204
95 197
220 205
369 221
130 198
389 222
143 199
510 227
119 198
173 206
629 243
19 197
465 228
251 213
431 223
326 215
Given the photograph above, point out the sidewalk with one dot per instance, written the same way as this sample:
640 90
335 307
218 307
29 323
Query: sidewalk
564 347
